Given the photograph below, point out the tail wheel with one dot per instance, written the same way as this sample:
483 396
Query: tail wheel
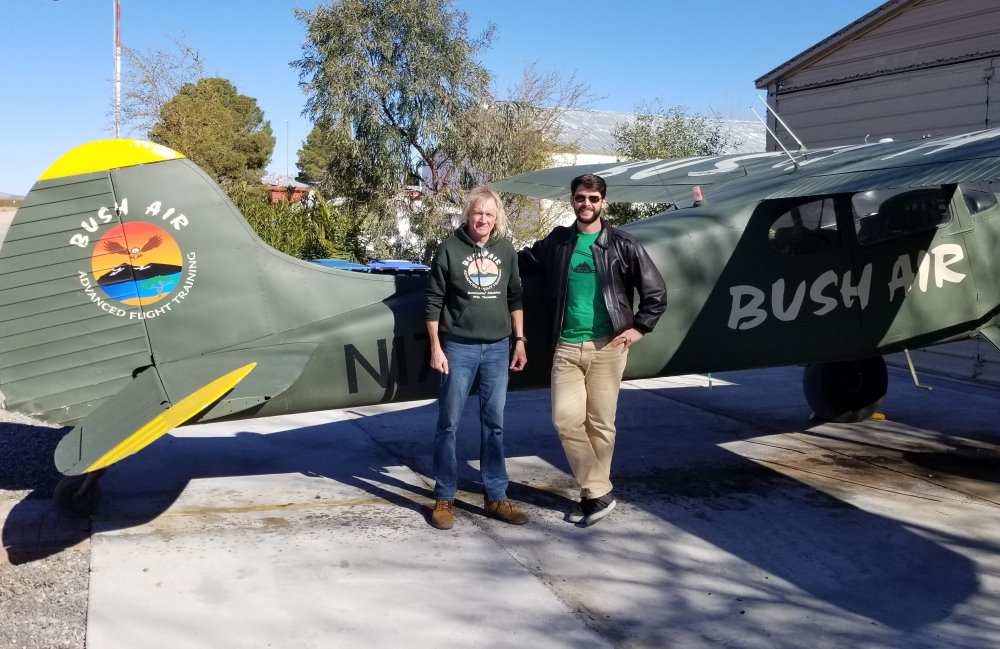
78 495
847 391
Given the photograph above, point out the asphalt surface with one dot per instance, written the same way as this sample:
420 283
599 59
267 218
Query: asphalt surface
740 523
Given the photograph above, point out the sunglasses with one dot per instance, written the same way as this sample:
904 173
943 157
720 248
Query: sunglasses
594 200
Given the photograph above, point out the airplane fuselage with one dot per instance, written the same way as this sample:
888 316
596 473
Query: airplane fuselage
738 297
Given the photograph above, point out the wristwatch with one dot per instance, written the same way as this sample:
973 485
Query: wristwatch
521 338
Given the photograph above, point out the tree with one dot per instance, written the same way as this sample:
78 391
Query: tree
659 132
149 80
222 131
522 133
316 155
333 159
398 99
387 82
490 140
392 75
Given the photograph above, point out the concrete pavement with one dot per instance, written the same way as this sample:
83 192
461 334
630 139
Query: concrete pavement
740 524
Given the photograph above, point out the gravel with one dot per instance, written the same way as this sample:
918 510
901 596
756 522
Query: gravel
45 566
45 563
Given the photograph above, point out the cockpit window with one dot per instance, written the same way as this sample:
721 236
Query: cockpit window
883 214
979 197
806 228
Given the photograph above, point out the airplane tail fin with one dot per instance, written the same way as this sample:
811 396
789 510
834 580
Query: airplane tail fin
126 256
57 353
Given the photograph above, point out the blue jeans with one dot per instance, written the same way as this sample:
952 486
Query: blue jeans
491 361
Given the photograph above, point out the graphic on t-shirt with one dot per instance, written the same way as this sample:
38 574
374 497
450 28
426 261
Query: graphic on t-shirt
584 262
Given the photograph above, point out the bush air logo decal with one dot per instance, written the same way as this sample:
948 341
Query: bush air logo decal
136 265
482 270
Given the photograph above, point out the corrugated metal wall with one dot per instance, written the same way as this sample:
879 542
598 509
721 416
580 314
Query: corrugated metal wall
926 68
993 110
936 101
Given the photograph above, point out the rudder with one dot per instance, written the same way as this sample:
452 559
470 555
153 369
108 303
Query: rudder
58 357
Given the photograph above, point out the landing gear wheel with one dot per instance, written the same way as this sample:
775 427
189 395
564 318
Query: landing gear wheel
846 392
78 495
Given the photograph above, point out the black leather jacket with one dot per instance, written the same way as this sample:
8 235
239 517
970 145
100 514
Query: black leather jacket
623 267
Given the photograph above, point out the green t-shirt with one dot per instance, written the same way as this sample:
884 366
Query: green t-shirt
586 316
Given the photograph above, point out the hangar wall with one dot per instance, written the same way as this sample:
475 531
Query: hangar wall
907 69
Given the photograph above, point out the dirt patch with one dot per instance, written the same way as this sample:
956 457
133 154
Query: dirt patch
44 557
6 216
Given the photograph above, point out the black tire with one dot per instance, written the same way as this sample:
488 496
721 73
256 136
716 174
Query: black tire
78 495
847 391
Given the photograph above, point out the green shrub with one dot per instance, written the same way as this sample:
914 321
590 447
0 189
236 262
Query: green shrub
302 230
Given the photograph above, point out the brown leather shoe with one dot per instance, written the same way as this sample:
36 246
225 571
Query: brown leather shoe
504 510
442 516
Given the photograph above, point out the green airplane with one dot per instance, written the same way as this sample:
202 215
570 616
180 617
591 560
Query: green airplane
134 296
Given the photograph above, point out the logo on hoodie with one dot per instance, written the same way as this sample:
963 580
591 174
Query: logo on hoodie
481 270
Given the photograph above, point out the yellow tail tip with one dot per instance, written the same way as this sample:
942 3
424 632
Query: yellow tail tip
108 154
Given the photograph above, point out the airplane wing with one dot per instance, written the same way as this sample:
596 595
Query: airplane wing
935 161
664 180
878 165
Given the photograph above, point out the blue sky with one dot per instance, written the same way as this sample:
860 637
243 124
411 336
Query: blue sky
56 58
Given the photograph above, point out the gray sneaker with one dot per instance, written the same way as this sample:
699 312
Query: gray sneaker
579 512
599 508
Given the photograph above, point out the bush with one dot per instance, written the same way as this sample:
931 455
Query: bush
297 229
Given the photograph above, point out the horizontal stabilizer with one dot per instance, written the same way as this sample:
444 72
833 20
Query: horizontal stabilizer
134 418
992 334
278 367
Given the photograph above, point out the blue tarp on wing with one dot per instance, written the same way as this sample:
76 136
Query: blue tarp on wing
341 264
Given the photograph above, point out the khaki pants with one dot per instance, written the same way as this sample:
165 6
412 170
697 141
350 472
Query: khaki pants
586 378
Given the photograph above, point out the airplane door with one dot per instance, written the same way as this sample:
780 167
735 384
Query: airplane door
910 240
789 287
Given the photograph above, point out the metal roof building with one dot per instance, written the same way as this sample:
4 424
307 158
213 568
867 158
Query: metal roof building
590 133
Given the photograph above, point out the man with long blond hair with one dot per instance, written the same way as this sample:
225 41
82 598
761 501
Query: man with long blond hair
473 309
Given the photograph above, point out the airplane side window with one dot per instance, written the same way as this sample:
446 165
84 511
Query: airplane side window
806 228
883 214
979 197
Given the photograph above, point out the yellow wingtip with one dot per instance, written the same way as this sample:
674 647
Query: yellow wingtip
108 154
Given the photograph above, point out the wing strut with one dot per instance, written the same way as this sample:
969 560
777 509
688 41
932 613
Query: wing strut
913 372
795 162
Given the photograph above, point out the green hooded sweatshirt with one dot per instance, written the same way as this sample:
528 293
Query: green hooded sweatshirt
473 289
